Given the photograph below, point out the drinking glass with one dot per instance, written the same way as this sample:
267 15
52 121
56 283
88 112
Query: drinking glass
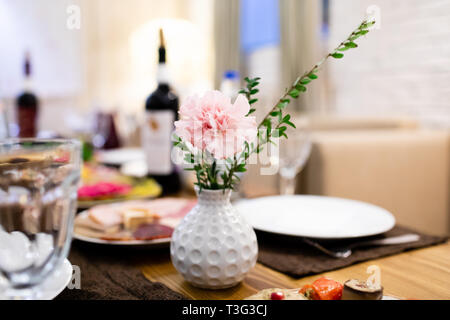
38 193
294 152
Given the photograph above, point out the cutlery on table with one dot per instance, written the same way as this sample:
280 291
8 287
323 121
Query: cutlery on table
345 252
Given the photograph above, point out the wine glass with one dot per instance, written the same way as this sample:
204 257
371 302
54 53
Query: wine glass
38 193
294 152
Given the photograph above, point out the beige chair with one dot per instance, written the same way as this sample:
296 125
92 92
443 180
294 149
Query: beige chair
406 172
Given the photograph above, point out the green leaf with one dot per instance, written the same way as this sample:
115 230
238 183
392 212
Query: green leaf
281 132
350 44
337 55
294 93
267 122
367 24
282 105
251 111
241 168
252 101
291 124
363 32
275 113
305 81
312 76
269 129
343 48
286 118
254 91
300 88
243 91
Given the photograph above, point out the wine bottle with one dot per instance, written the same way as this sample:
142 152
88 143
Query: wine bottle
27 104
161 111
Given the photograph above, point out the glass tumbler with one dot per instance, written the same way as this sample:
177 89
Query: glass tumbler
38 194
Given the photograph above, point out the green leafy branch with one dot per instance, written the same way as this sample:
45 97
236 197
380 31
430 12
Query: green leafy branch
250 90
276 122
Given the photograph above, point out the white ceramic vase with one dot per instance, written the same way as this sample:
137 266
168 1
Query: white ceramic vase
214 247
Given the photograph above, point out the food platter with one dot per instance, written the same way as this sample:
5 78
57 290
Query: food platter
148 223
104 185
327 289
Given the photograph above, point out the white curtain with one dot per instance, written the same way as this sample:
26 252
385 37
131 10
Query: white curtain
301 48
226 37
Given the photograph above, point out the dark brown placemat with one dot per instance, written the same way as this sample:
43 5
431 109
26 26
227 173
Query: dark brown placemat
108 274
292 256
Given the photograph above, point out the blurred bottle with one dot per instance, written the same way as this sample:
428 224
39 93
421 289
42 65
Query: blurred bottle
161 110
112 140
27 104
230 85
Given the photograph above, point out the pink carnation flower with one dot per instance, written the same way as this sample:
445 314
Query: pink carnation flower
214 124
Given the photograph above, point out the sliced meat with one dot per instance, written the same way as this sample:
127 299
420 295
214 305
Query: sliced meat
168 207
151 231
106 216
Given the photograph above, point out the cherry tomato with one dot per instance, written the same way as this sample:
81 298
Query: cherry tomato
308 292
277 296
327 289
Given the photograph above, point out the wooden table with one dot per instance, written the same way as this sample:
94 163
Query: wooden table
418 274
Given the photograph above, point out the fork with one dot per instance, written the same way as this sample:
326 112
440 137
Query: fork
345 252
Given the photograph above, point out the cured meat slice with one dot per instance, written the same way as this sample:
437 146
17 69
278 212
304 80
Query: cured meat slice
151 231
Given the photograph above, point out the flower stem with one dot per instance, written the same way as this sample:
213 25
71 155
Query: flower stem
360 30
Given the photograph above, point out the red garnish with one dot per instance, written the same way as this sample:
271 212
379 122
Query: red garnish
277 296
327 289
103 190
323 289
308 291
63 159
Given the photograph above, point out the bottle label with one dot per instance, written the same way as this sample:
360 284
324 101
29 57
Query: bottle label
157 141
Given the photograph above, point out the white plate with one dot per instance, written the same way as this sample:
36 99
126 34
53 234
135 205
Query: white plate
54 284
316 216
157 243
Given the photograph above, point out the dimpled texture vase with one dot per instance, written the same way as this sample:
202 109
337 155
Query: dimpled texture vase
214 247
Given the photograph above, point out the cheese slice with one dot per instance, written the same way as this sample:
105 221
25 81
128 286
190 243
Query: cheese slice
134 217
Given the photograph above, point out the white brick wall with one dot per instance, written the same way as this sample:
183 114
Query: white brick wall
401 69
